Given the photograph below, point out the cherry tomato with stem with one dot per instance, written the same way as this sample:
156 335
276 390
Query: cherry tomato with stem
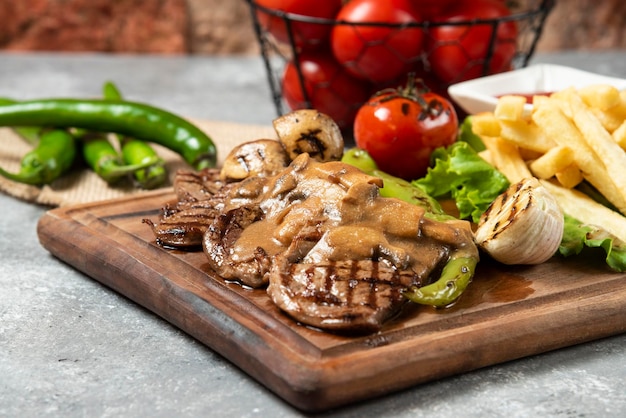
400 128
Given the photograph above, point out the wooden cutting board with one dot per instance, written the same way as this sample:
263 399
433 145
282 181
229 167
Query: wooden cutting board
507 313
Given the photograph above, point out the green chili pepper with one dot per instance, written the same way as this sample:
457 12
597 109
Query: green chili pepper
29 134
135 151
456 275
461 265
104 159
53 156
137 120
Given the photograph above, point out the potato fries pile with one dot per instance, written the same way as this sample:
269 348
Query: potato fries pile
570 136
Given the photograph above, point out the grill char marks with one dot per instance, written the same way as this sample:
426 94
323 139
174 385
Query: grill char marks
249 268
354 295
184 225
201 196
195 186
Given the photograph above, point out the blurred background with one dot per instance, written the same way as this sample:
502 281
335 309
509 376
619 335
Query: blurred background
224 26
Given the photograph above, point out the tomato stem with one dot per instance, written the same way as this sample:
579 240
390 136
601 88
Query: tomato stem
413 90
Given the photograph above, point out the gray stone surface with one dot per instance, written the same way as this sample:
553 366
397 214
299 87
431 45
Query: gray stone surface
73 348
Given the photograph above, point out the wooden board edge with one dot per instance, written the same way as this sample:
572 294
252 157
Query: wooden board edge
281 369
317 383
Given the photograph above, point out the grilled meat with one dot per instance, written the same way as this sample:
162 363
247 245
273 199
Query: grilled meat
335 254
195 186
219 245
332 252
201 197
351 295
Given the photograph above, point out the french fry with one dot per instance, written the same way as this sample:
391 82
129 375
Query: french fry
553 161
485 124
510 107
539 99
600 96
612 118
506 158
608 151
486 155
571 136
570 176
619 135
561 98
581 207
525 135
528 154
555 124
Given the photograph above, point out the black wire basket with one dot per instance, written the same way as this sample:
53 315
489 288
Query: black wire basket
287 56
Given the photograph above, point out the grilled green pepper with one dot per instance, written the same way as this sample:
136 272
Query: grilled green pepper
395 186
459 270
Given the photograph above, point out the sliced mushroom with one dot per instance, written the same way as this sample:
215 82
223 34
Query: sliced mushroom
263 157
309 131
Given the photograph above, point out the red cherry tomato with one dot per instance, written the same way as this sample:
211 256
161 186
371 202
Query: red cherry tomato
401 128
328 86
377 53
306 35
458 53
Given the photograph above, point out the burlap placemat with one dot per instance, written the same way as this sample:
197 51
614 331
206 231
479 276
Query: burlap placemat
83 185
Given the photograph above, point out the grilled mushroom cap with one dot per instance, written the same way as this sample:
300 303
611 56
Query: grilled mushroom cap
307 130
263 157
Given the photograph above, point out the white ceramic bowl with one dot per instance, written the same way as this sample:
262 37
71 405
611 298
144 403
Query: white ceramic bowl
480 95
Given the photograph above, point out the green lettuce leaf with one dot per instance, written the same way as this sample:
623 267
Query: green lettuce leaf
577 236
460 173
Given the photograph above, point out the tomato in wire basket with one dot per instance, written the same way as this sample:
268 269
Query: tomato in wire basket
460 52
400 128
375 52
327 86
432 9
306 35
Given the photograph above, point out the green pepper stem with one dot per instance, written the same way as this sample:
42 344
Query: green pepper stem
110 91
34 178
111 170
